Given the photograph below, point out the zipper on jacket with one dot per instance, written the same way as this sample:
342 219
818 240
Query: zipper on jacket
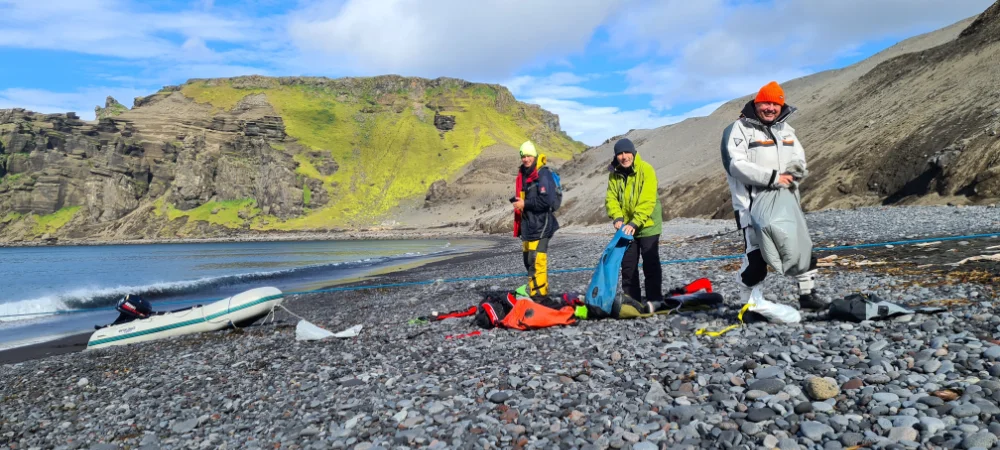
621 197
777 145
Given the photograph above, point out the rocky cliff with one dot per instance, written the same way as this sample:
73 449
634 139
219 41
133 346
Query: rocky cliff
225 156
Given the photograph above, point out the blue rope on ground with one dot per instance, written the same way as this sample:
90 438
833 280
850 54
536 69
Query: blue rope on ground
510 275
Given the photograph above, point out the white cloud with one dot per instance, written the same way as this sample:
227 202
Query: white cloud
118 28
559 85
667 85
825 30
592 125
731 50
561 94
471 39
661 27
81 101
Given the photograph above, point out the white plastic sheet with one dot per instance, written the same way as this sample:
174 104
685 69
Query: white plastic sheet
306 331
774 312
350 332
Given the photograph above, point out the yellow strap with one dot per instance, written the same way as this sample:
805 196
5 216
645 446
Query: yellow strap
702 331
705 331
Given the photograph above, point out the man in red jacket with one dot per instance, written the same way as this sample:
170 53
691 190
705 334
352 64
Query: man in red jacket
534 221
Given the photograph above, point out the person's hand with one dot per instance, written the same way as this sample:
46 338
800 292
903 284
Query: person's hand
628 230
618 224
519 205
785 179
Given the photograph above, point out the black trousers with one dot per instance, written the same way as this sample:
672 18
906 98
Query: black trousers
649 249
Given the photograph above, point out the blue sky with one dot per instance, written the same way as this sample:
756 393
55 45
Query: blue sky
605 66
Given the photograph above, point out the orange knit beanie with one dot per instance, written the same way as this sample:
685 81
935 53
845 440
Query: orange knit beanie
771 92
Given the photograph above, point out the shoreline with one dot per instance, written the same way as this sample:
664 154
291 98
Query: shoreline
446 231
77 342
280 236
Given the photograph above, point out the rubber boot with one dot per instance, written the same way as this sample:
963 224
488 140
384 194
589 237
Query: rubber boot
748 295
808 300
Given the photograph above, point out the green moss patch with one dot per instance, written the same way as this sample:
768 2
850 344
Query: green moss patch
225 213
53 222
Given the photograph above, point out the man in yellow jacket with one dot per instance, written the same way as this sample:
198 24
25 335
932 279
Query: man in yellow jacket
632 202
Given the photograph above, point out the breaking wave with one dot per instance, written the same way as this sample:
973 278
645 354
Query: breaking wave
98 298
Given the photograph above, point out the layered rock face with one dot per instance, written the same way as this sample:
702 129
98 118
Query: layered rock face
222 156
246 167
54 161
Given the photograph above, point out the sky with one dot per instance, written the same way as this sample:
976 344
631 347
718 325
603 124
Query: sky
604 66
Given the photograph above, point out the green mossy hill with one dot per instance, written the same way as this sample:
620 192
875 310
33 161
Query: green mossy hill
391 136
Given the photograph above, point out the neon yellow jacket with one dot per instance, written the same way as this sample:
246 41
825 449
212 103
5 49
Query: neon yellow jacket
633 199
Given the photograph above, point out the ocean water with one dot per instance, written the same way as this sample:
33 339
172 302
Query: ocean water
48 292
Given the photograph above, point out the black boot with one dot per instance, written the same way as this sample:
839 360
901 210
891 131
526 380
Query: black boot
811 302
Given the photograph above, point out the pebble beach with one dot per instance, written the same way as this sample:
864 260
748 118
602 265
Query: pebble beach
916 381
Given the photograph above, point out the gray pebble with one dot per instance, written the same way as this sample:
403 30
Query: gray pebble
979 440
185 426
931 425
770 385
897 434
822 407
788 444
104 447
931 401
751 428
814 430
877 346
966 410
885 397
852 439
769 372
760 414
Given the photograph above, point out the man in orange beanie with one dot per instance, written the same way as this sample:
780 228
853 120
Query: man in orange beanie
758 152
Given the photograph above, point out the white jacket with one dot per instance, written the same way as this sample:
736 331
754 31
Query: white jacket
754 154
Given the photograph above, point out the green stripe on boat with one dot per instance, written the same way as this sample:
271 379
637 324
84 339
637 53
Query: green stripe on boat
183 324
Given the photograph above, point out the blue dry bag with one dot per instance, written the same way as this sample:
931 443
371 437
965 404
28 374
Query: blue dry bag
604 283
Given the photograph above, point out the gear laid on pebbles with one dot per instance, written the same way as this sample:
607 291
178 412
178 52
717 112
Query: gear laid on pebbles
916 381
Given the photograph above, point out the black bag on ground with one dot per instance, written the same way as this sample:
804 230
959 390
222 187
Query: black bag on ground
861 307
853 308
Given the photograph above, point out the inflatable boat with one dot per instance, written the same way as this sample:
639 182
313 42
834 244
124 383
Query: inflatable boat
237 311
